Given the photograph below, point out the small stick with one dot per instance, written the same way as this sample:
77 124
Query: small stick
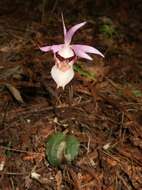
17 150
14 173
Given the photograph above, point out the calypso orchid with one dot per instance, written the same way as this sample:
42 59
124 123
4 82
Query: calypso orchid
66 54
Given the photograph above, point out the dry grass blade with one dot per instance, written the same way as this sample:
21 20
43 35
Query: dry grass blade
59 179
15 93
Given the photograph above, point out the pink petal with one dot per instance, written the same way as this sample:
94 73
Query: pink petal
45 48
56 48
64 27
87 49
71 32
82 54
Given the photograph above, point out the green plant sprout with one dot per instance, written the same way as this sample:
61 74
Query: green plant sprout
79 69
61 148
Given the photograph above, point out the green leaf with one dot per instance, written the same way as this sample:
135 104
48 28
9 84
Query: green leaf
137 93
108 30
61 147
78 68
72 148
54 148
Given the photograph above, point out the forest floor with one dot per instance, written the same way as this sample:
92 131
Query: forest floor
102 106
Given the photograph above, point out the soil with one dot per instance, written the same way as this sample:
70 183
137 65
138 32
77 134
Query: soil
103 112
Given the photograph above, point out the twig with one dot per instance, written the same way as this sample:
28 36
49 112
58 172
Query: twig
44 5
12 183
116 86
5 114
44 109
17 150
13 173
123 181
54 6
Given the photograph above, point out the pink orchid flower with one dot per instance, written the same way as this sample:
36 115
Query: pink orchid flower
66 54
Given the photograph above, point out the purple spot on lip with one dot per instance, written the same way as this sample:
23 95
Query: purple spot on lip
65 59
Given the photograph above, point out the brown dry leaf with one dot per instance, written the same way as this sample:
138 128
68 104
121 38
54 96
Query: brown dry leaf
34 156
127 92
84 177
137 141
111 162
76 180
15 93
58 178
